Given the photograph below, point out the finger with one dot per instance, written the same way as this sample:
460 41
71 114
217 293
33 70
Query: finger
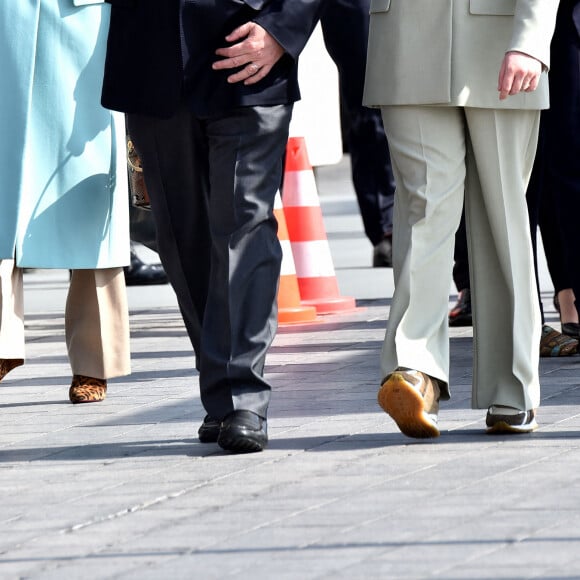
240 32
232 62
517 84
239 49
505 84
500 81
262 72
247 72
531 83
253 69
534 83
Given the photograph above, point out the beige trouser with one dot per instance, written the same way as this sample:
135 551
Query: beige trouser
96 320
438 153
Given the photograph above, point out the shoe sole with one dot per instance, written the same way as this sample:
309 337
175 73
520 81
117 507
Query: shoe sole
238 444
83 398
208 435
405 405
502 427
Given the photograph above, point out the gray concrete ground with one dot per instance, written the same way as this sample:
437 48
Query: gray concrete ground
123 489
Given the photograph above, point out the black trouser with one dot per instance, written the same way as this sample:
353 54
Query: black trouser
212 184
556 194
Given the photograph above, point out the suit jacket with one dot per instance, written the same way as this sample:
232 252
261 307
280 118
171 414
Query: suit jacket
149 67
449 52
576 16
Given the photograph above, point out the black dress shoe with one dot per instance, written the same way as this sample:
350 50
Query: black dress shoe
460 314
138 273
571 329
209 430
243 432
383 253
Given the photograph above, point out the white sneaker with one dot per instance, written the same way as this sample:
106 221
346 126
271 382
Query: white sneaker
501 419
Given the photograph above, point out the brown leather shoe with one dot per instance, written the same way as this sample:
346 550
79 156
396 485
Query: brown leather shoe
7 364
411 398
87 389
554 343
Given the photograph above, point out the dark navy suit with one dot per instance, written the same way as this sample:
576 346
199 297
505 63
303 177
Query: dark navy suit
212 157
144 72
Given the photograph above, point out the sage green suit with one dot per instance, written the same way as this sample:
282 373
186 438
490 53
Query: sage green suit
433 68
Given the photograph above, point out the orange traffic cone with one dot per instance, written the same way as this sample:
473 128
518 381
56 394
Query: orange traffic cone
315 270
289 308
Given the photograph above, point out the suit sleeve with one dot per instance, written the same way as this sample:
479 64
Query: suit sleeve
290 22
534 24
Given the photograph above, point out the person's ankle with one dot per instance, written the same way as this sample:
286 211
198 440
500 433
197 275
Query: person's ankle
568 312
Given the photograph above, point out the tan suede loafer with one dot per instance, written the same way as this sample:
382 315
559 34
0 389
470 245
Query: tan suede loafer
411 398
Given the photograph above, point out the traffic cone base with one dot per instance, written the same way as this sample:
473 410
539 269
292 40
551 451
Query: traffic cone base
331 305
290 309
297 315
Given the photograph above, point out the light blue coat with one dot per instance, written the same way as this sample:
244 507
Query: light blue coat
63 182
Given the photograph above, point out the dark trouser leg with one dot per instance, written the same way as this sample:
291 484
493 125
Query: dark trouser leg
174 156
246 149
460 258
562 149
212 185
372 175
460 314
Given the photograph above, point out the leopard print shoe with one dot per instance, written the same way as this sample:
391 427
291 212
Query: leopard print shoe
87 389
7 364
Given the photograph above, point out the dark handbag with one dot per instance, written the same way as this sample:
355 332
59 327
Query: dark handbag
137 188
